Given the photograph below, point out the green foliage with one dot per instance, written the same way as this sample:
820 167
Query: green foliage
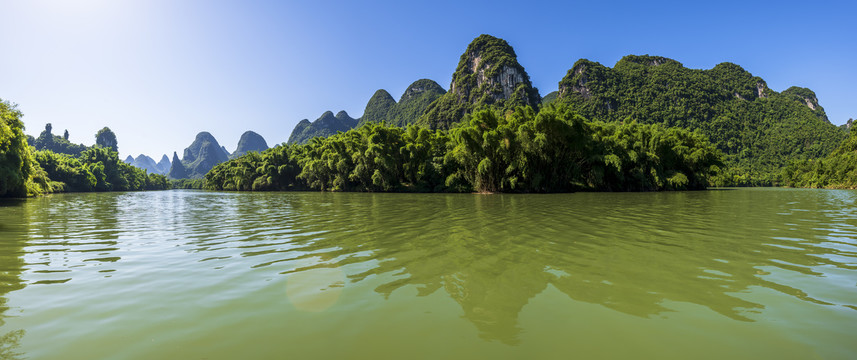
57 144
414 102
519 151
18 175
486 76
25 171
97 169
106 138
757 129
324 126
273 169
377 108
194 184
549 98
838 170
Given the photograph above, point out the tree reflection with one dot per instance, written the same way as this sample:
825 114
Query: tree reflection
632 253
13 227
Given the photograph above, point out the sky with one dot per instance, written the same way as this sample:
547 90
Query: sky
157 72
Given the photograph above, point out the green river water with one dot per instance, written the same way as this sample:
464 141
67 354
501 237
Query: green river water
722 274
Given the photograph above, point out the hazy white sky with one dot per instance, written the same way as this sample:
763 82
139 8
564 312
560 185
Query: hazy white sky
159 71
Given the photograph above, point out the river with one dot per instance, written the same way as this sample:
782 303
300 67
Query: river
747 273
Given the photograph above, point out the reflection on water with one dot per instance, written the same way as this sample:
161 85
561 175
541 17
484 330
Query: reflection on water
11 266
628 252
637 254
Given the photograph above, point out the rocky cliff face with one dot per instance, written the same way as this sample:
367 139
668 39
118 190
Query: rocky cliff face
490 67
488 74
249 141
202 155
807 97
177 169
326 125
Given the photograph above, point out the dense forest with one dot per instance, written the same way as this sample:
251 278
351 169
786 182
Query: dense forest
524 150
25 171
836 171
758 129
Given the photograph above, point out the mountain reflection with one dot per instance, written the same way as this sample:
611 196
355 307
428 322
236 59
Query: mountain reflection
634 253
628 252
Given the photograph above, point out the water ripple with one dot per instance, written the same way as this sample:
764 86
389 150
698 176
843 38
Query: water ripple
633 253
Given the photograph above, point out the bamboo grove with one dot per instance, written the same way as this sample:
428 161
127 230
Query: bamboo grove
552 150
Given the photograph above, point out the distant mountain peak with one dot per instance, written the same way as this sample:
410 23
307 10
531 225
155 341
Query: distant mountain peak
420 86
377 108
177 169
202 155
488 74
249 141
327 124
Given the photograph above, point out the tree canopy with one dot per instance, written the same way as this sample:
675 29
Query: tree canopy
758 129
524 150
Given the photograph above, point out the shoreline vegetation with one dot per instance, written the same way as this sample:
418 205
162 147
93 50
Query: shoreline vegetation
552 150
25 171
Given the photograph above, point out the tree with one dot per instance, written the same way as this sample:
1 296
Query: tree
106 138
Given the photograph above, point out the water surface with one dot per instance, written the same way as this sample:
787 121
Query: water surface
768 273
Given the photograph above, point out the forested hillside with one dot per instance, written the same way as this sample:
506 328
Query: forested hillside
552 150
327 124
488 75
758 129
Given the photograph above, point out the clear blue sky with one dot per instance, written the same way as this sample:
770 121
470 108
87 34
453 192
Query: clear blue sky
159 71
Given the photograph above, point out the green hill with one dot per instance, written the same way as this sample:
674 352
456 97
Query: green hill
249 141
488 74
412 104
757 128
327 124
377 108
198 158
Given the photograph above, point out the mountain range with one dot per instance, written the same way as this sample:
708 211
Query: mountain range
145 162
757 128
205 152
380 108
